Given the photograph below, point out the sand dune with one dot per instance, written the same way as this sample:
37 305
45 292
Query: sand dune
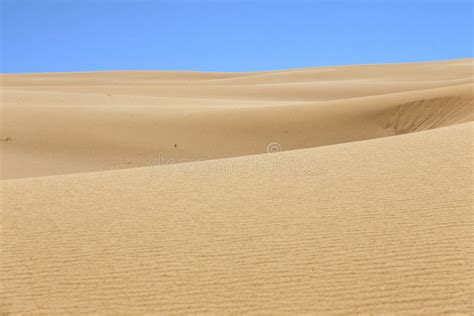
366 210
378 226
82 122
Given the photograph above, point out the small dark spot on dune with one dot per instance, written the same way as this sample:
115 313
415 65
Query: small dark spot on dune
6 139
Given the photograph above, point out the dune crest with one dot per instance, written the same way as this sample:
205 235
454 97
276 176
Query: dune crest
62 123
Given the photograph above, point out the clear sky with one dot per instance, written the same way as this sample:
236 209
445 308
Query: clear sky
228 35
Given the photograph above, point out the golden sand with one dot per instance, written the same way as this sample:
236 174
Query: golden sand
154 192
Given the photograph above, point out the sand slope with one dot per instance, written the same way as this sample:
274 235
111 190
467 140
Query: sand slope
70 123
380 226
368 210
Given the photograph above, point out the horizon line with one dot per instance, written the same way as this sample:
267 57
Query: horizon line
230 72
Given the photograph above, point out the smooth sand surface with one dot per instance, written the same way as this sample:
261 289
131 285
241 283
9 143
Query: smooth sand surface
82 122
154 192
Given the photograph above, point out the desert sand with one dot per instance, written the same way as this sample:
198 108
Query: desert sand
330 190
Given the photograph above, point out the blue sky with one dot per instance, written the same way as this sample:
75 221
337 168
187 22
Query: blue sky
232 35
